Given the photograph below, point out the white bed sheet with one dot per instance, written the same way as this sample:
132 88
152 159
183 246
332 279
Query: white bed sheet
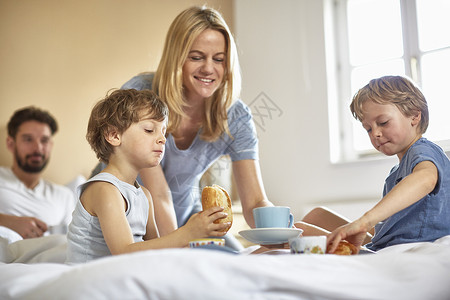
413 271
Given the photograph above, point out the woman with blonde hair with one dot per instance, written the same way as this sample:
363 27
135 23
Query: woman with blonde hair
199 79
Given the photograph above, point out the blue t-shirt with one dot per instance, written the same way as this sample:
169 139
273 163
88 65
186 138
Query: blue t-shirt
184 168
429 218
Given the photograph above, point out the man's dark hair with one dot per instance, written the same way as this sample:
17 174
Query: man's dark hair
30 113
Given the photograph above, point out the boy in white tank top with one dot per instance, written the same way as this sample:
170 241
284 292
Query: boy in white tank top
115 214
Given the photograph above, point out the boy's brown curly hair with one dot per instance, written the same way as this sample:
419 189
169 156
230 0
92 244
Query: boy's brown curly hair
118 110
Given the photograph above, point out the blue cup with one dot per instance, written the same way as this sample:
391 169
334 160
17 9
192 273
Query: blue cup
273 217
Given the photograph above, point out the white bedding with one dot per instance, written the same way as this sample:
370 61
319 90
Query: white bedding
414 271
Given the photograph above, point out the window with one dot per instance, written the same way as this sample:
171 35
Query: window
373 38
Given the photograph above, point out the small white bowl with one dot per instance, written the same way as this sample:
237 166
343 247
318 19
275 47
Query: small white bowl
308 245
203 242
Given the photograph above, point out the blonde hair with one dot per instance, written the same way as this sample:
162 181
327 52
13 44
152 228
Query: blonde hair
168 80
396 90
118 110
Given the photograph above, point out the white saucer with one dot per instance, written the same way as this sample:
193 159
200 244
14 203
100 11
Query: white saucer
270 236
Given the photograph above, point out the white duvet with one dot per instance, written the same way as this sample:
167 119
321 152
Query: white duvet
413 271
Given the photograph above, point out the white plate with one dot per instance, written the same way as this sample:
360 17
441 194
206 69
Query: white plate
270 236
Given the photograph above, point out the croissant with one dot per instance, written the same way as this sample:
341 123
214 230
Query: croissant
345 248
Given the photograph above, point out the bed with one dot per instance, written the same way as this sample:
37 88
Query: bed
33 269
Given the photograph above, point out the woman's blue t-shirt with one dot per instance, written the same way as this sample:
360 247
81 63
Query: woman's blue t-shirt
184 168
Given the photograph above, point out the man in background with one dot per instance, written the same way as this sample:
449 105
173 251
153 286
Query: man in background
30 205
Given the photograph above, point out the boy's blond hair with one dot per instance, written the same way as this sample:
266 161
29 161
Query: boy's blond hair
118 110
396 90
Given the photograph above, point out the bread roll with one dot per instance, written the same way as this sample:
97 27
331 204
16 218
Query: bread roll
345 248
217 196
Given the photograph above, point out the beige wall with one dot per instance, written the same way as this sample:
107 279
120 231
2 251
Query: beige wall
64 56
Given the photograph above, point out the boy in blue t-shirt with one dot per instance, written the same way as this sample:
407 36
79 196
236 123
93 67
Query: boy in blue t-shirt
416 198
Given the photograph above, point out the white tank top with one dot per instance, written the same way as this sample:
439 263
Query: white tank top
85 239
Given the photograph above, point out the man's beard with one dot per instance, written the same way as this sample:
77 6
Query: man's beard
24 166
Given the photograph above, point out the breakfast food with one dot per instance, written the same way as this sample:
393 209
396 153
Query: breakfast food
216 195
345 248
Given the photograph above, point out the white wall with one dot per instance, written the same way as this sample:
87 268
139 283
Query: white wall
282 53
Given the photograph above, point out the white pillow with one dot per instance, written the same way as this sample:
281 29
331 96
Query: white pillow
9 235
50 248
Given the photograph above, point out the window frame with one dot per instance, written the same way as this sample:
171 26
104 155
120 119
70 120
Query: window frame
339 77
